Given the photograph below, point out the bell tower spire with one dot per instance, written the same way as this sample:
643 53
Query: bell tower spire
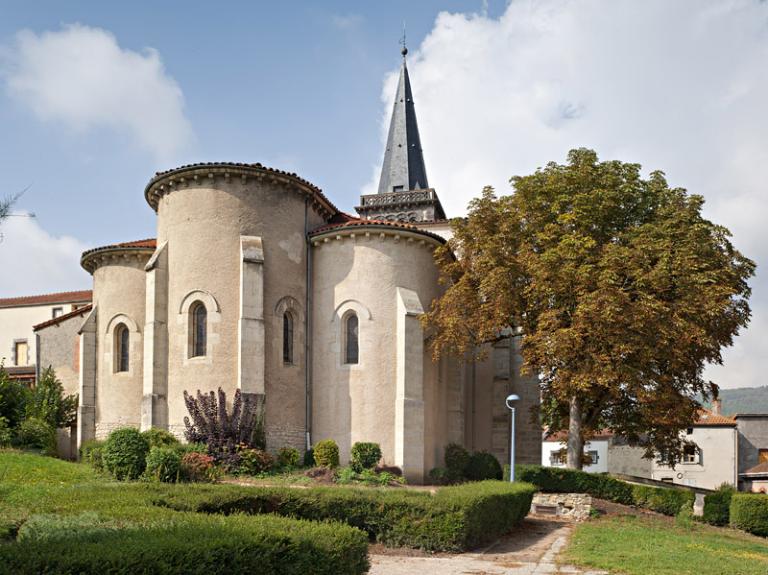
404 193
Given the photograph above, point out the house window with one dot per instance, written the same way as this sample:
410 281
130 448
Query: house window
198 330
351 336
762 455
397 189
21 352
58 311
287 338
691 454
557 457
122 348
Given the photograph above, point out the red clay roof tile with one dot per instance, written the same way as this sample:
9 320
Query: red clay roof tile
50 298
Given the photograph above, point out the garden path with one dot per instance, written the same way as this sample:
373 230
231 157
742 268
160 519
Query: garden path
531 549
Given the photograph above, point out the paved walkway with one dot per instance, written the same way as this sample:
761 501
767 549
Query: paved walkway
531 550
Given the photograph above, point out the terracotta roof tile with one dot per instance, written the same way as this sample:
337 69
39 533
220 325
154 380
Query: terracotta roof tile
50 298
708 418
563 435
145 243
79 311
759 469
256 165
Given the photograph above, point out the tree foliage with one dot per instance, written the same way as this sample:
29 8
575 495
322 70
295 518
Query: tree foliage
13 399
623 292
48 402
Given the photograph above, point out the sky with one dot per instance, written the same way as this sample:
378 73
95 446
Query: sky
95 97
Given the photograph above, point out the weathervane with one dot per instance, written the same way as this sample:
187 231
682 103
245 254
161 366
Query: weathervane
404 49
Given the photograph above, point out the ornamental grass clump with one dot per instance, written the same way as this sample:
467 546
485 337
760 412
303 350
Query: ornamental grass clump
125 452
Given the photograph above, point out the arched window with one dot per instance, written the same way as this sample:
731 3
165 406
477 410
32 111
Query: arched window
287 338
122 347
199 330
351 345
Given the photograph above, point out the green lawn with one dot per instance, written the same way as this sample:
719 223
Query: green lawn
634 545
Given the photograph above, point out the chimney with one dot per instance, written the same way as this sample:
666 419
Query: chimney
717 406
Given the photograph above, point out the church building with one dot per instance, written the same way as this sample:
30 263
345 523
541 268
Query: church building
257 281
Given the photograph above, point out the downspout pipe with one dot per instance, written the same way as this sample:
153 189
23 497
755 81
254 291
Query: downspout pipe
307 331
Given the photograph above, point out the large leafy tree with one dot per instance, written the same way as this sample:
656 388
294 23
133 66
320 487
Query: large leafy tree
621 290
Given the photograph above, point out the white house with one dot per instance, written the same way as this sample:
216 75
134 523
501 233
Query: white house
553 451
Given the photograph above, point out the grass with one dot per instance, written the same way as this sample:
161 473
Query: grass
19 468
641 545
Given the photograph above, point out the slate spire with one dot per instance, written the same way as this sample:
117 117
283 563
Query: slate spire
403 168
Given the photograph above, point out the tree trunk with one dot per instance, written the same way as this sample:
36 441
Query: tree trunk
575 446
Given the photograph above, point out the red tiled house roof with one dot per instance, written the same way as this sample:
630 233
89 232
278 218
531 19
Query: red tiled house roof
83 296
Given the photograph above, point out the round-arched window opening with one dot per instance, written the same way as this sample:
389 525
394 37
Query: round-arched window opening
122 348
351 339
198 340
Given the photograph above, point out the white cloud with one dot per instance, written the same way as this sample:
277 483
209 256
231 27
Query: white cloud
33 261
677 86
81 77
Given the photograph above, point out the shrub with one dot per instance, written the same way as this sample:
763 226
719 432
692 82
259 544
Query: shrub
159 438
456 459
309 458
557 480
197 546
48 402
255 461
684 518
288 457
163 464
6 435
455 519
37 434
749 512
364 456
91 452
13 399
668 501
224 433
196 466
125 452
717 505
482 465
327 453
72 528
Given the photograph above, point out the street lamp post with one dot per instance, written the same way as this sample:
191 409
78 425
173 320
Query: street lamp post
511 398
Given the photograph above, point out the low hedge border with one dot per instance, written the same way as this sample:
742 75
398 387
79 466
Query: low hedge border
557 480
454 519
197 545
749 512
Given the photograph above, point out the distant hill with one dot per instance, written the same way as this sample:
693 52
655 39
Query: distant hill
745 400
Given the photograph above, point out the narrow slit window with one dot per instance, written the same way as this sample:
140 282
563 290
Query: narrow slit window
199 328
122 348
351 347
287 338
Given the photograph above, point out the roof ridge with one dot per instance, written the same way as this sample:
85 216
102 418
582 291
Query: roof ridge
46 298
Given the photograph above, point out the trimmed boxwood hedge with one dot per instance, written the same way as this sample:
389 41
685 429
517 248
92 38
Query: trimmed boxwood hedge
668 501
454 519
749 512
198 545
717 506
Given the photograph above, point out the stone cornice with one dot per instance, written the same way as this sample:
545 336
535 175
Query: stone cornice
111 255
378 232
198 174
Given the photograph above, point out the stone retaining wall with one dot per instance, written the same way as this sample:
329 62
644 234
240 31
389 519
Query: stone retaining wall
571 506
